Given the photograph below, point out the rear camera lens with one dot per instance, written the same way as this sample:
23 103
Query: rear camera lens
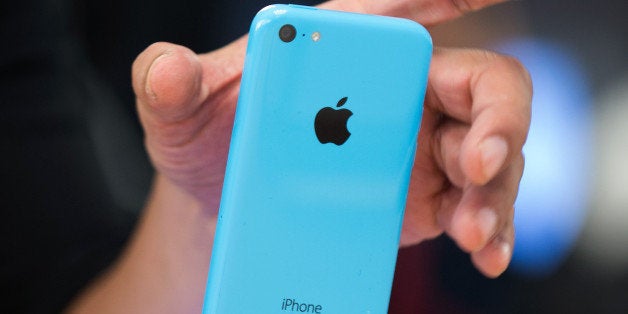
287 33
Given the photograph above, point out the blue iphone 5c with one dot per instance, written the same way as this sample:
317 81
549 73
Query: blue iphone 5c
319 164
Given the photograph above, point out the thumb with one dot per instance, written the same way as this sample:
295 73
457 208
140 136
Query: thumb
169 90
167 80
186 103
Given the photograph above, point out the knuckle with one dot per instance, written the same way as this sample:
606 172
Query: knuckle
515 67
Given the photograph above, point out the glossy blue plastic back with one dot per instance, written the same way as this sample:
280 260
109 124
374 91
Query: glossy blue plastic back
308 227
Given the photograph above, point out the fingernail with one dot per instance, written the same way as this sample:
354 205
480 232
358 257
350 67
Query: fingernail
505 250
487 221
147 88
493 151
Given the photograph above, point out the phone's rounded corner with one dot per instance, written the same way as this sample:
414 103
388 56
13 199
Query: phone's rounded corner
268 14
422 31
428 38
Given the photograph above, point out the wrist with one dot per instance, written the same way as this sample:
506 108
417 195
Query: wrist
164 268
172 249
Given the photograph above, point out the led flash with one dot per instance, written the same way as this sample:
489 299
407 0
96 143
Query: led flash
316 36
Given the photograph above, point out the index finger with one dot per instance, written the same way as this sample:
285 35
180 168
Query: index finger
426 12
492 93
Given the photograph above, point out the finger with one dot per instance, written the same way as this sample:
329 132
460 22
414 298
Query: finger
483 211
493 259
427 184
172 93
493 94
446 144
426 12
167 80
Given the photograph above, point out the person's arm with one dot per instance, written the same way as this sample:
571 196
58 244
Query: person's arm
164 267
465 180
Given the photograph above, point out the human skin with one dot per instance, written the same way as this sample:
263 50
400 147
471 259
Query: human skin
464 183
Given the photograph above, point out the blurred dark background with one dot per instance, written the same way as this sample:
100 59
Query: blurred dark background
75 175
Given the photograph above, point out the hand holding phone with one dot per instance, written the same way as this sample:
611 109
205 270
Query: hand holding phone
186 104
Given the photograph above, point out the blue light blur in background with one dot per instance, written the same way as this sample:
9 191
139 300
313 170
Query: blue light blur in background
555 188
